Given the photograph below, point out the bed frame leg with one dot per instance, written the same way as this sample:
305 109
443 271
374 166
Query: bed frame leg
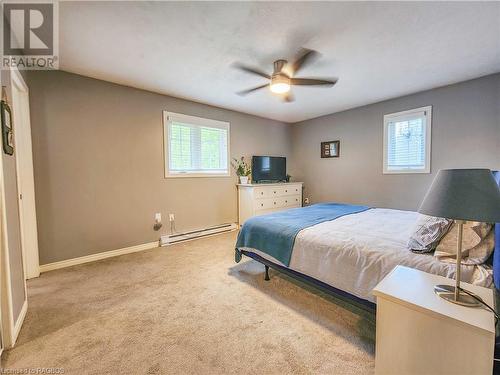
267 274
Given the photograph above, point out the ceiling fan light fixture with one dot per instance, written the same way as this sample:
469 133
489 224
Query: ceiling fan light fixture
280 87
280 84
284 76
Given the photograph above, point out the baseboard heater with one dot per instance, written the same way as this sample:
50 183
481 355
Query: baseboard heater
170 239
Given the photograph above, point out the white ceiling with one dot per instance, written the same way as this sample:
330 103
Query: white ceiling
185 49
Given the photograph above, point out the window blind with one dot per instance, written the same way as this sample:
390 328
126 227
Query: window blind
406 144
407 141
197 146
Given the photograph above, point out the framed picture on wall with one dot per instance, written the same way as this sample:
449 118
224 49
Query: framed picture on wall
330 149
7 133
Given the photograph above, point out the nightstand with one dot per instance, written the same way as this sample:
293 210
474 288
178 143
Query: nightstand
421 333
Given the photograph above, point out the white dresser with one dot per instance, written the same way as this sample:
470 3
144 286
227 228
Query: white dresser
421 333
259 199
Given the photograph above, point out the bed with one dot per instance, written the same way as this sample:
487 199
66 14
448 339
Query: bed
348 249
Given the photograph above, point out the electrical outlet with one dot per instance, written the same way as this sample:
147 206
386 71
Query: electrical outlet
157 225
171 217
158 217
306 200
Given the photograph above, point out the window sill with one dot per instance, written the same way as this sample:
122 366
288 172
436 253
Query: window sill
196 175
407 171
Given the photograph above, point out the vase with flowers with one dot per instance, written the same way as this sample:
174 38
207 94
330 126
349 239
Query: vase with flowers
242 169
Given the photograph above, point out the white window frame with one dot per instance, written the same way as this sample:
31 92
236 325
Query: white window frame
405 115
172 116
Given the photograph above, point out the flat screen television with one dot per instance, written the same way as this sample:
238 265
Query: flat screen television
268 168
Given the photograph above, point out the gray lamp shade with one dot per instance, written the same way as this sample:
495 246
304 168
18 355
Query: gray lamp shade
463 194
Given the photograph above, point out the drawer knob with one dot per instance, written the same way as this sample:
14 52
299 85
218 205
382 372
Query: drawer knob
274 202
286 201
262 204
286 191
261 193
274 192
296 200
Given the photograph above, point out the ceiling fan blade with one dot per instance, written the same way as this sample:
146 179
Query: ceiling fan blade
248 91
306 56
251 70
288 97
312 81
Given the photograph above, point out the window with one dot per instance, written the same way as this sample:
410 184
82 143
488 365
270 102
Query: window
407 141
195 146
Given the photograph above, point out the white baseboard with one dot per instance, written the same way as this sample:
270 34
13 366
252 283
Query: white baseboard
93 257
19 322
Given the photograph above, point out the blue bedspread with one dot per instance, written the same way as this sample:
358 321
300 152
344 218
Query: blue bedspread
274 234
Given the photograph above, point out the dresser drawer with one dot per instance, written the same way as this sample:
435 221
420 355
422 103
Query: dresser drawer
269 203
276 191
263 192
292 201
290 190
278 202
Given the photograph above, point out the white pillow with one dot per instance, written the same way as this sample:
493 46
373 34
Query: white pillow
427 232
478 242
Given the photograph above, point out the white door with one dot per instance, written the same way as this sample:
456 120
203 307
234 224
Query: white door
25 180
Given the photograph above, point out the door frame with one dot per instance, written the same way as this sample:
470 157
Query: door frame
10 325
22 144
3 249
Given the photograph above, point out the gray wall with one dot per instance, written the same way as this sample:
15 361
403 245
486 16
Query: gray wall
98 160
465 133
13 245
98 157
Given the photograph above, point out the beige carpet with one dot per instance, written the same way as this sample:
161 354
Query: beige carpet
188 309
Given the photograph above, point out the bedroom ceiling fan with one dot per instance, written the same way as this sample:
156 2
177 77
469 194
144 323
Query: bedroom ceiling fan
283 76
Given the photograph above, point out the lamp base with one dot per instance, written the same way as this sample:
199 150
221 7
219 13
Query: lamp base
447 292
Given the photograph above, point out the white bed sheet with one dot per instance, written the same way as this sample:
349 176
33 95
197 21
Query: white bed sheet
354 252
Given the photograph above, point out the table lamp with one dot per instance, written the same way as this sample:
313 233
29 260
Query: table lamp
462 195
